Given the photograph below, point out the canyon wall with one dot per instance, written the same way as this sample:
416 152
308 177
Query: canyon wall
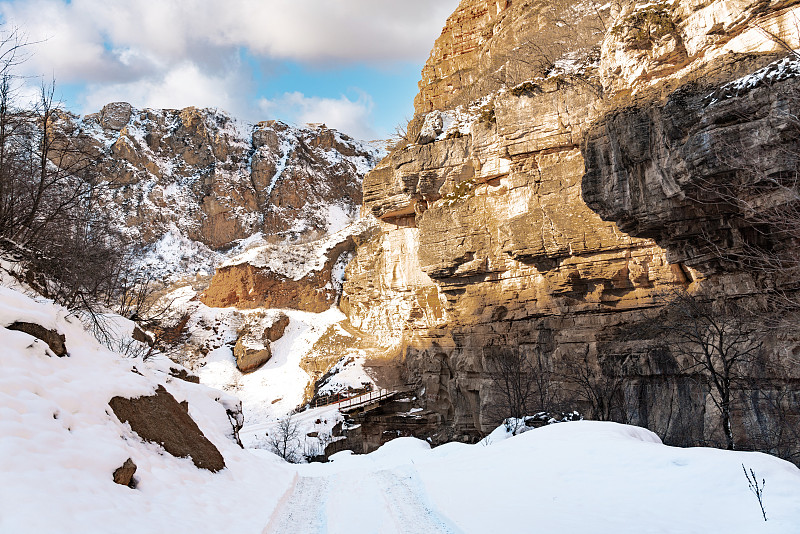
538 203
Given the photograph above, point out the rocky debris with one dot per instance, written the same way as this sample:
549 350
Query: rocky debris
160 419
486 241
124 475
54 340
251 352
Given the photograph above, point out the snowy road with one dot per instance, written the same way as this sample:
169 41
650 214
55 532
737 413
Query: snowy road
385 502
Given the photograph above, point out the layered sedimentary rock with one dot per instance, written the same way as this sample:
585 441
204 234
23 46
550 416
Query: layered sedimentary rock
487 243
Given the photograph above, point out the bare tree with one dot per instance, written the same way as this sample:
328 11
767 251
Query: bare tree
52 215
585 382
714 339
521 382
758 188
283 440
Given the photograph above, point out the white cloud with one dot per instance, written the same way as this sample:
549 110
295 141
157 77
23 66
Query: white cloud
341 30
174 53
182 86
96 39
349 116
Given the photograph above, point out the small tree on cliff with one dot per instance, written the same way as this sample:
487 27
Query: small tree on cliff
715 340
521 382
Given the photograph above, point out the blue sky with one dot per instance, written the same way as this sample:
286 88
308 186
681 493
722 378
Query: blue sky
353 64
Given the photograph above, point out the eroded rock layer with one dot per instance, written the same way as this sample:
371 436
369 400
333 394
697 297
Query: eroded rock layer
492 239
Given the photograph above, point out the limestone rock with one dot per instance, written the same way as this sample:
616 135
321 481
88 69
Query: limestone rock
654 44
652 169
160 419
54 340
560 210
251 352
124 475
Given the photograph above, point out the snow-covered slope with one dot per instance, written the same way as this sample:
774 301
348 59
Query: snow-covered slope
194 189
578 477
60 444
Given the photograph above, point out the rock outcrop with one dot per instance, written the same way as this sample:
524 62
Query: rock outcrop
656 169
53 339
305 276
492 240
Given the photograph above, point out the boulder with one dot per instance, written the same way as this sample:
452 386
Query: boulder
142 336
115 116
54 340
276 330
251 352
124 475
161 419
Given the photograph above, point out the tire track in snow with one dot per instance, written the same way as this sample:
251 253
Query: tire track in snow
304 512
405 495
389 501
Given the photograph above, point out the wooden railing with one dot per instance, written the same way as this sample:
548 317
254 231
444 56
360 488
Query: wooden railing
372 396
345 402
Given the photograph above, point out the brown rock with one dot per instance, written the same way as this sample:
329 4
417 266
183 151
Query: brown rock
116 116
275 331
141 336
251 353
245 286
54 340
124 475
161 419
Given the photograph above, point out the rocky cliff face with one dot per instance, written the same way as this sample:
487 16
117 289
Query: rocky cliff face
492 240
200 174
